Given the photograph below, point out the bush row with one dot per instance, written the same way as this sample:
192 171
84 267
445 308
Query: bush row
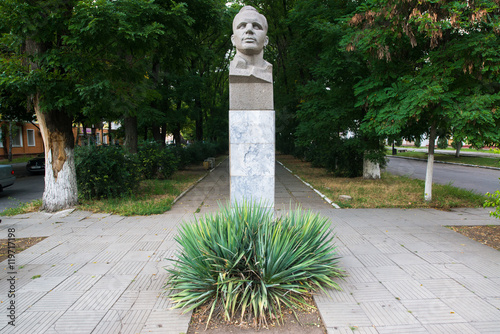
109 171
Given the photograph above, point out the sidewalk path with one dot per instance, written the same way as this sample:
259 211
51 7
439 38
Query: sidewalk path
100 273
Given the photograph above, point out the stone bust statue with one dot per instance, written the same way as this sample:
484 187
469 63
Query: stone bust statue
249 37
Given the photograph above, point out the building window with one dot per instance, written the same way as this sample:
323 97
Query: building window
98 139
30 134
1 138
105 138
17 138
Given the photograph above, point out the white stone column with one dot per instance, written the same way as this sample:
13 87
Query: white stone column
251 140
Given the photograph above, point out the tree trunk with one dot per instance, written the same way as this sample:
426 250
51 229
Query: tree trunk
177 135
371 170
60 174
157 134
130 125
199 121
110 139
459 147
9 155
430 165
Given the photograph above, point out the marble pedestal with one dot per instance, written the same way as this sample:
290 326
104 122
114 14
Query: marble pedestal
251 141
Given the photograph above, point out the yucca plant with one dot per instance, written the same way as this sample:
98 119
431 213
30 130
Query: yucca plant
246 262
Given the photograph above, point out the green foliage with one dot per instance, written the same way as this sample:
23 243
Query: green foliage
198 152
493 201
105 171
418 142
442 143
156 161
243 260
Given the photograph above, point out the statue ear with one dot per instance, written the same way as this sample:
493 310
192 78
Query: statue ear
266 41
232 40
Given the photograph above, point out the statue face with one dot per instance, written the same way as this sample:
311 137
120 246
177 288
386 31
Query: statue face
249 33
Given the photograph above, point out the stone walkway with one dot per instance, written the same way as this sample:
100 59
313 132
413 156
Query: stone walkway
99 273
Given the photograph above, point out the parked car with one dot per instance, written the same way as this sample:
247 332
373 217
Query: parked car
7 177
36 165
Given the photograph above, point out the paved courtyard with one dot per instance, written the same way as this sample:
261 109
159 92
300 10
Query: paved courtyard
101 273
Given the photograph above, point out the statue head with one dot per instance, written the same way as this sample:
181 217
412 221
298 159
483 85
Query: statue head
249 31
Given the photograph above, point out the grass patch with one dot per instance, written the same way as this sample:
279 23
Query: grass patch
23 208
390 191
478 161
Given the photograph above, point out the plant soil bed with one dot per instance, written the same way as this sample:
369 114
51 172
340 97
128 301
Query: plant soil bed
20 245
309 321
487 235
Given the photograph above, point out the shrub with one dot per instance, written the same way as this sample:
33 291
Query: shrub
156 161
418 142
442 143
493 201
105 171
246 262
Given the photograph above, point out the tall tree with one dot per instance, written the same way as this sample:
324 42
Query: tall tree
434 66
66 56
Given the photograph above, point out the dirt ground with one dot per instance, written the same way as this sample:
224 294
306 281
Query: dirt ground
20 244
487 235
307 321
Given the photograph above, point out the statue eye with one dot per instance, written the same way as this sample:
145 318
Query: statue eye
257 26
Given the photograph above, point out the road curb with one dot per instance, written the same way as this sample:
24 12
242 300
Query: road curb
326 199
445 162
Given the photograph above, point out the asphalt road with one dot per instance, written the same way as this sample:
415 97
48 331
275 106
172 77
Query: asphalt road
26 188
480 180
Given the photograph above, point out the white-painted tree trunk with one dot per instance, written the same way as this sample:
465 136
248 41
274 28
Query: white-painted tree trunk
371 170
430 165
61 189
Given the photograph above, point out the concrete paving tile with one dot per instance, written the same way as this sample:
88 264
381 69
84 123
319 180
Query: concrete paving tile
127 268
33 322
360 275
56 301
389 273
351 330
81 257
363 248
43 284
474 309
343 315
451 329
432 311
390 312
375 260
350 261
147 282
23 301
78 282
490 327
391 247
457 270
138 256
96 300
410 289
495 301
399 329
96 268
406 259
167 321
126 300
447 288
482 287
114 282
146 246
76 322
436 257
424 271
108 256
146 300
370 292
351 239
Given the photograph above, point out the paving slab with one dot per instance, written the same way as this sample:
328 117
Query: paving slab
102 273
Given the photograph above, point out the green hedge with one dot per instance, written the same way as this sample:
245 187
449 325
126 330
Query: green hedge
105 171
